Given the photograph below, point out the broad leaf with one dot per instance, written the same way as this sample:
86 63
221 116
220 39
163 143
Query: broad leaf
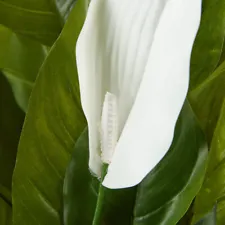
37 19
20 61
11 120
53 123
80 187
166 193
207 100
213 189
115 202
162 198
81 193
209 41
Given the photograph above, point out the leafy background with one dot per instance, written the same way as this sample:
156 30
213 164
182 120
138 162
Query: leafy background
51 183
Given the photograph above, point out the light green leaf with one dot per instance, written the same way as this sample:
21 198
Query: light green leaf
53 123
20 60
64 7
37 19
166 193
222 58
209 42
207 100
209 219
11 120
213 189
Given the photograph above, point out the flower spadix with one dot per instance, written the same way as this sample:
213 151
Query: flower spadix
139 51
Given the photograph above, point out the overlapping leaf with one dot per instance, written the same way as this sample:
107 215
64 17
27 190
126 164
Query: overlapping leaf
162 198
167 192
11 119
213 189
80 187
5 212
20 61
208 45
53 123
81 193
207 100
36 19
64 7
209 219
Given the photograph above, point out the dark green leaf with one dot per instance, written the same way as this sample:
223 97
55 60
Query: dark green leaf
53 123
20 60
209 42
162 198
11 120
213 189
81 191
114 206
207 100
209 219
166 193
80 187
5 212
36 19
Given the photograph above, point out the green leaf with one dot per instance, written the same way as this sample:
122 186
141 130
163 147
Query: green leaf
209 219
209 42
213 189
20 60
207 100
37 19
165 194
81 192
5 213
80 187
116 207
222 58
64 7
11 120
53 123
162 198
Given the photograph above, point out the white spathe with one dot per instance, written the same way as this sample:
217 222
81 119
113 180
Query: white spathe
138 50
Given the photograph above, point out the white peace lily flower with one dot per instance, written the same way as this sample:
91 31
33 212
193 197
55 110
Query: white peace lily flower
134 56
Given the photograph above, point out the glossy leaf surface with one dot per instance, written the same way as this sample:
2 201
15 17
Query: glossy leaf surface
80 187
167 192
81 193
36 19
208 45
20 61
213 189
53 123
162 198
207 100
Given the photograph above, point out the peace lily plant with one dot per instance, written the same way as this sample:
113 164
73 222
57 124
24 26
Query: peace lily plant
133 60
112 112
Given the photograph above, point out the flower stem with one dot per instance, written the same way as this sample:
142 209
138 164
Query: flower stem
101 194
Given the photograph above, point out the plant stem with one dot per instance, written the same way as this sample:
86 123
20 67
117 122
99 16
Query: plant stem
101 195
